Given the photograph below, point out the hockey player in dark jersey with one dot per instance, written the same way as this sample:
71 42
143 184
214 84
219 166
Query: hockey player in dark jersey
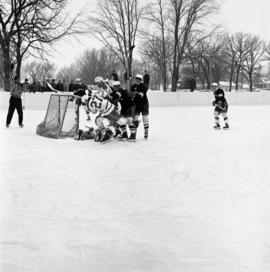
79 89
114 98
127 111
221 106
141 104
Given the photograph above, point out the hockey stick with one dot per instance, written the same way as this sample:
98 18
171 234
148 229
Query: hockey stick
52 88
57 91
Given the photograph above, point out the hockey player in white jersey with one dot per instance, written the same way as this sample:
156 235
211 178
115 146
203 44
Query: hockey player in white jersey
99 102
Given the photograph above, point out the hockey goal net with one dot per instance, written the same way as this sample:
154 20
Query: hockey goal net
61 120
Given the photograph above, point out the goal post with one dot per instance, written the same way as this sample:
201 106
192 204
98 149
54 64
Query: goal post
61 119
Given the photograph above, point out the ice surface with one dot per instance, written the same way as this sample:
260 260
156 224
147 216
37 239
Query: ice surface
190 199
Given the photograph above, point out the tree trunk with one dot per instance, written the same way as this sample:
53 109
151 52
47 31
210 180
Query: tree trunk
231 79
7 65
164 80
250 81
175 75
237 77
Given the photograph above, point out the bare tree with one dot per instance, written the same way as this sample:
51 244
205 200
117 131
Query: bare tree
242 49
97 62
26 26
69 73
185 16
152 50
40 71
115 24
255 51
232 56
157 13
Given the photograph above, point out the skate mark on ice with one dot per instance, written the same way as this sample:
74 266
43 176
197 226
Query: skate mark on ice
177 178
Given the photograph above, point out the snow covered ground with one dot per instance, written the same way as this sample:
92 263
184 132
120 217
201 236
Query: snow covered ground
190 199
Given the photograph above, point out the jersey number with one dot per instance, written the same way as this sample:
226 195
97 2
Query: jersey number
96 102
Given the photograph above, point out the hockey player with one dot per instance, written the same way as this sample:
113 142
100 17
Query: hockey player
221 106
79 89
100 102
127 111
141 104
115 97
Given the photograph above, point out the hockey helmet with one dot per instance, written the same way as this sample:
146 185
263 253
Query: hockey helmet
139 76
98 79
214 84
116 83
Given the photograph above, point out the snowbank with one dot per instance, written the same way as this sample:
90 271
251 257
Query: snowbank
157 98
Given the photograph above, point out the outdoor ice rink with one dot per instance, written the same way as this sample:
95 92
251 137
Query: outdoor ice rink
189 199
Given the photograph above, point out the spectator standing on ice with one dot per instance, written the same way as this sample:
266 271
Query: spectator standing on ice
192 84
26 86
71 86
114 76
221 106
141 104
60 86
146 79
15 101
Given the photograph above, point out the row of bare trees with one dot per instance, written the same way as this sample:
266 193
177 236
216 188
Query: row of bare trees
170 24
167 34
227 57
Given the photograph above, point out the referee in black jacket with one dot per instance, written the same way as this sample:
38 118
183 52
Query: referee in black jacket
15 101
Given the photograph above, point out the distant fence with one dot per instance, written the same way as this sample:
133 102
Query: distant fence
157 98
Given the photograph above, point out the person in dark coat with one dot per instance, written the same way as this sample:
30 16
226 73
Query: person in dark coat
146 79
15 101
114 76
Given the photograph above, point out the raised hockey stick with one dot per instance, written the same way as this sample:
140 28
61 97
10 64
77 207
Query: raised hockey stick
57 91
52 88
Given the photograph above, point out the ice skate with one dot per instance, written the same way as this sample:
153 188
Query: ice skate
117 133
107 137
123 136
132 137
79 134
146 134
217 126
226 127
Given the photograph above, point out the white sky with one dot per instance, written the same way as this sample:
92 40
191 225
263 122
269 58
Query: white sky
250 16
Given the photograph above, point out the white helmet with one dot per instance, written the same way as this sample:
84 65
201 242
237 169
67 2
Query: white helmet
98 79
139 76
116 83
214 84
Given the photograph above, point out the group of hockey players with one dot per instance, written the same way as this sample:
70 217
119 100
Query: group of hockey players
116 111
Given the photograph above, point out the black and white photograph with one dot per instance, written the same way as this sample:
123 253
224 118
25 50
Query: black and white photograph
134 135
